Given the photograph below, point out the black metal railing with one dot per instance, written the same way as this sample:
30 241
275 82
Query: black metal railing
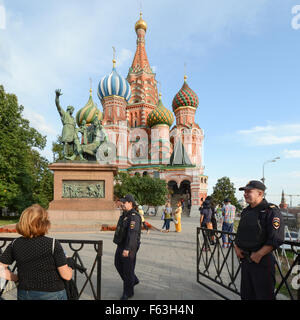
221 266
81 279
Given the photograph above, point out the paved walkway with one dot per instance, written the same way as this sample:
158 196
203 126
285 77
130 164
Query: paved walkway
166 264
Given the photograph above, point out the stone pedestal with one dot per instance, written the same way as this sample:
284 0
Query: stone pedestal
83 195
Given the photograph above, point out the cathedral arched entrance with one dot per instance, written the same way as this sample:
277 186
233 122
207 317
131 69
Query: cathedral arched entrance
178 193
173 187
185 195
185 187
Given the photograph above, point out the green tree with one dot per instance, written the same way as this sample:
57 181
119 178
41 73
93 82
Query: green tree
145 189
58 149
224 188
24 174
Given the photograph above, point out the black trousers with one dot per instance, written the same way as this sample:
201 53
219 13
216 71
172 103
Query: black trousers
125 266
258 279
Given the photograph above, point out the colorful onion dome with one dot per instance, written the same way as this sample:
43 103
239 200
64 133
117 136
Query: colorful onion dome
114 84
89 112
160 115
185 97
141 24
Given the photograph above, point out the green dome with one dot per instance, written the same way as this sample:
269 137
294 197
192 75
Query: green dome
88 113
185 97
160 115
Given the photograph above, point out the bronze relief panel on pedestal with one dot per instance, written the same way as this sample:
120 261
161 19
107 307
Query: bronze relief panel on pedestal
83 189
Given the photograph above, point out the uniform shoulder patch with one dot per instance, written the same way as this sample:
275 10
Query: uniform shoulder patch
132 224
276 223
272 206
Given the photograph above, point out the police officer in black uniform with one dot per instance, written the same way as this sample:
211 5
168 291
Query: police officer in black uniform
127 237
260 231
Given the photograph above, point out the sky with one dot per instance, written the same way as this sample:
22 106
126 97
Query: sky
242 59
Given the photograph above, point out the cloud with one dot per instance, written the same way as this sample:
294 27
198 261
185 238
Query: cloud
256 130
39 122
125 57
154 69
271 134
293 174
292 154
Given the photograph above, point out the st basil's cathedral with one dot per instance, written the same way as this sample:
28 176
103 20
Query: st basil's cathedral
141 128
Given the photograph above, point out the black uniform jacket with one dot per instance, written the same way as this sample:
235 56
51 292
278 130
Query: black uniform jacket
130 225
266 229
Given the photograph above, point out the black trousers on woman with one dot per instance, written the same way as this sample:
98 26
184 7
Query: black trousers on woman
125 266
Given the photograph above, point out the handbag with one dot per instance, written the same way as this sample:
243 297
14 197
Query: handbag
70 285
209 225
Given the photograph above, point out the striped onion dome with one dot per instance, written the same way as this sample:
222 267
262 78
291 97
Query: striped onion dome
185 97
89 112
160 115
114 84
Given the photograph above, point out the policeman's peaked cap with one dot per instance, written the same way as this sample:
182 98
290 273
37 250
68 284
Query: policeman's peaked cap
254 184
128 198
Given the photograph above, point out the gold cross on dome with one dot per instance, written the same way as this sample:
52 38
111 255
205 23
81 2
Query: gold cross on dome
114 56
91 83
159 87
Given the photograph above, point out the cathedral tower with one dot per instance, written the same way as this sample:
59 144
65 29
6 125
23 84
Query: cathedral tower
160 121
144 97
114 92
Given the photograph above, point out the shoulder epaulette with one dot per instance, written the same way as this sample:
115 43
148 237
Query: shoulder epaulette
272 206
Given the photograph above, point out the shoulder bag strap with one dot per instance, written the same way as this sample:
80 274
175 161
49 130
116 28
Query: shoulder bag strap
53 245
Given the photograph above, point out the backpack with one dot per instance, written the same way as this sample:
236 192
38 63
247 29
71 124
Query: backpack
207 212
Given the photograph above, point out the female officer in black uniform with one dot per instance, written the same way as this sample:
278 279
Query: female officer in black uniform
127 237
260 231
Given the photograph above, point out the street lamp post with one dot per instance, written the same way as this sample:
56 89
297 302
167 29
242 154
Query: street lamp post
268 161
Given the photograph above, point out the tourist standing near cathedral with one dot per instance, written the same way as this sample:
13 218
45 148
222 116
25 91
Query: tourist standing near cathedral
177 217
141 213
127 237
228 213
167 217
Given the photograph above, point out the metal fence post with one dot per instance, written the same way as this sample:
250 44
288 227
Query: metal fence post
99 267
298 291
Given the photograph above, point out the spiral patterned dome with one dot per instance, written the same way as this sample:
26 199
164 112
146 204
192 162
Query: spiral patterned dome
114 84
88 113
160 115
185 97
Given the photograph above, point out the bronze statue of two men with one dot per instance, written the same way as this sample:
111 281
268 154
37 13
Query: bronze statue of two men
93 136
